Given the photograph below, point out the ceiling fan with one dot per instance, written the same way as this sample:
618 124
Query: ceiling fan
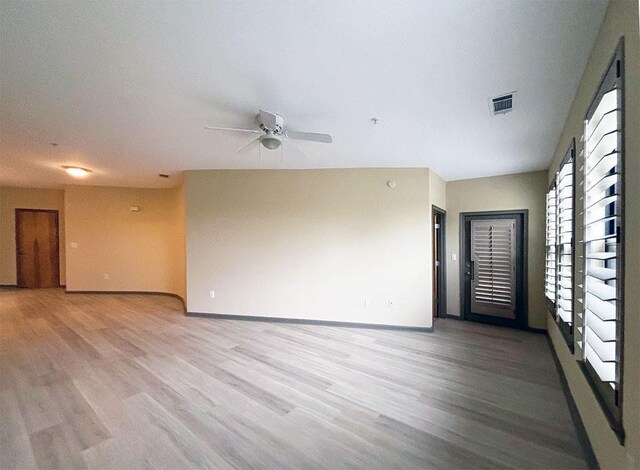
271 126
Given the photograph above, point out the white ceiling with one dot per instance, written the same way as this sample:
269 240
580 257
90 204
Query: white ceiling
125 87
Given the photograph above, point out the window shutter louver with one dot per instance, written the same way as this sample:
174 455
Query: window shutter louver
550 259
493 253
565 247
602 222
599 325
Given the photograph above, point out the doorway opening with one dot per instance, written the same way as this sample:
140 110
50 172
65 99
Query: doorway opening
438 219
494 267
37 248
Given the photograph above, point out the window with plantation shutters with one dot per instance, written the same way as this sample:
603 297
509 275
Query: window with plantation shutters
603 196
565 245
550 258
493 251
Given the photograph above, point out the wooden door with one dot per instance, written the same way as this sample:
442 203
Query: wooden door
37 248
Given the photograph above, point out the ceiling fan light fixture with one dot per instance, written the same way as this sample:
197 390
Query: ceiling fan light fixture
271 141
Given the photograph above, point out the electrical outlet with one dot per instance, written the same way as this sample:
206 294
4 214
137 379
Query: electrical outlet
367 302
105 276
454 257
212 294
74 244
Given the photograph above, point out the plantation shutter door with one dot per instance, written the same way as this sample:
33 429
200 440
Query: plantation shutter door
493 253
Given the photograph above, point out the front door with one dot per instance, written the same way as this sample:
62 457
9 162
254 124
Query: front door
37 260
494 273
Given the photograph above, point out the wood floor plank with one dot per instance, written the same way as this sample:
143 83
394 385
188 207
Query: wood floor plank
129 382
54 449
15 448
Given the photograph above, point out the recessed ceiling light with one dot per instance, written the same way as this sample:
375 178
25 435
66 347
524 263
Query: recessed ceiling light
76 171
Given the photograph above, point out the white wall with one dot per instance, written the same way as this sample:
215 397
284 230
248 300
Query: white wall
310 244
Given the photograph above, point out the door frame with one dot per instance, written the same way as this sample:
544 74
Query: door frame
57 217
522 294
442 285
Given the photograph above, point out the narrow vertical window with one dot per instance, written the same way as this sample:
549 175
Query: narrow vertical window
550 262
565 246
602 339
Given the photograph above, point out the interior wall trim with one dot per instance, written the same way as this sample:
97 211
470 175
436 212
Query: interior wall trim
16 286
302 321
530 329
129 292
451 316
583 437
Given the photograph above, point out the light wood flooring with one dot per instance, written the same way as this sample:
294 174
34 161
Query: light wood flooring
129 382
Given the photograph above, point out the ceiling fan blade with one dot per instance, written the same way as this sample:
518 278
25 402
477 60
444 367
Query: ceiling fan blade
270 120
291 146
210 128
310 136
242 149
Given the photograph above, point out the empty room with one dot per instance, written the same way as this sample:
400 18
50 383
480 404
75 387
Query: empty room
291 234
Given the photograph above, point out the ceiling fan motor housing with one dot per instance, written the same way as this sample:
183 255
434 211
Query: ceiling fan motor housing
271 122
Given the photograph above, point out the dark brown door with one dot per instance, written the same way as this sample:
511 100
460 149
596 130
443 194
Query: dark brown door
438 220
37 248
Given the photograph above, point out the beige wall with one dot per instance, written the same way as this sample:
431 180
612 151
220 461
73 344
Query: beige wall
437 190
510 192
621 19
26 198
311 244
139 251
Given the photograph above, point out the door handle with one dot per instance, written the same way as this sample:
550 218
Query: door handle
470 269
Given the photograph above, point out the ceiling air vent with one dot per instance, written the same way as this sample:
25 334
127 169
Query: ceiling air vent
502 104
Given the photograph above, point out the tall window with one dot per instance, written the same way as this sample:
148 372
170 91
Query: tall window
602 330
565 247
550 263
